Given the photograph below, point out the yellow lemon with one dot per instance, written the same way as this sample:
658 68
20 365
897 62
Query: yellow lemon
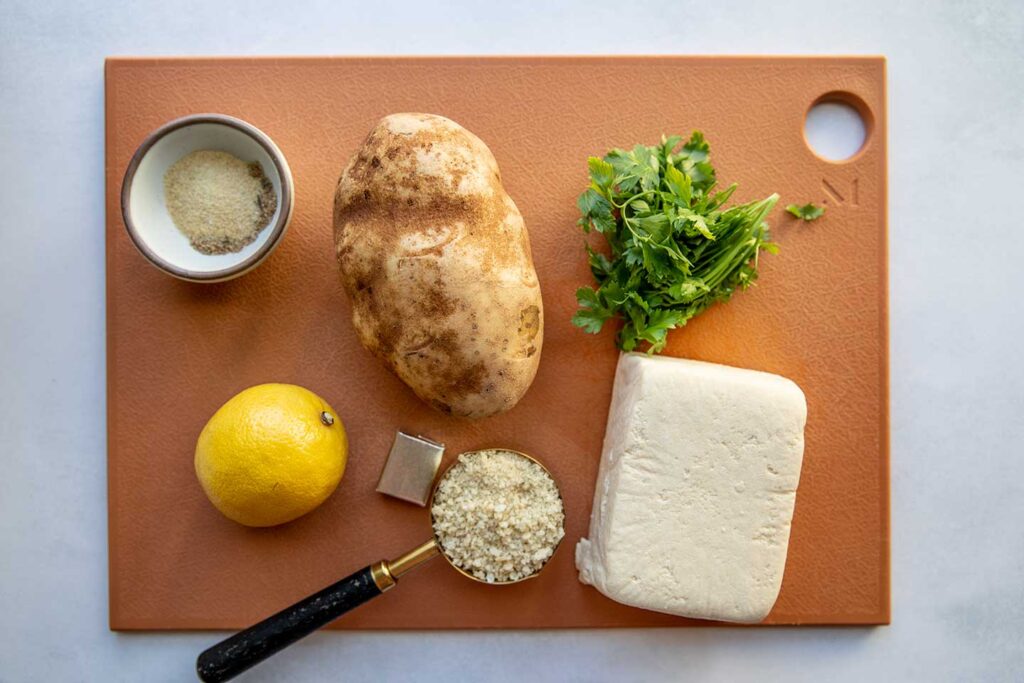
270 454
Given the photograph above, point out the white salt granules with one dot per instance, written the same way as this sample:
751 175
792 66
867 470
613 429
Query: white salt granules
219 202
498 515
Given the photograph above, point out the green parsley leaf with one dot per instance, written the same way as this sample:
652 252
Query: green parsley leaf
592 313
807 212
659 322
597 212
601 173
679 184
686 291
674 250
697 149
600 265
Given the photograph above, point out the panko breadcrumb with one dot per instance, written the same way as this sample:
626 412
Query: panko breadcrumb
498 515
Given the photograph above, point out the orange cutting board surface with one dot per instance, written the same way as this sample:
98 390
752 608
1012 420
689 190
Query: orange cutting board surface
177 351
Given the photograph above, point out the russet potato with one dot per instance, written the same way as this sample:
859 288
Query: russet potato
435 258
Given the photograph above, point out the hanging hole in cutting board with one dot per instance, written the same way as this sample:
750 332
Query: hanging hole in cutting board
837 126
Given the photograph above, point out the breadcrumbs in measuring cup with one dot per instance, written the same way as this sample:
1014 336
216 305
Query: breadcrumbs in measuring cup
498 515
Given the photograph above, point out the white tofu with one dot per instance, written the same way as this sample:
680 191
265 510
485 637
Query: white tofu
696 488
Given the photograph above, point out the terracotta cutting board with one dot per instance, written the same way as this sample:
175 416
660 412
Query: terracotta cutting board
177 351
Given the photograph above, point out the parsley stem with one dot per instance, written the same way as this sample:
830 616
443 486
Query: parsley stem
629 201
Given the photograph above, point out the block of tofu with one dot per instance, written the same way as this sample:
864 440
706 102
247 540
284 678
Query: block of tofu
696 489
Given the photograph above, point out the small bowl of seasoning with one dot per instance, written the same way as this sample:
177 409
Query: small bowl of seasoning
207 197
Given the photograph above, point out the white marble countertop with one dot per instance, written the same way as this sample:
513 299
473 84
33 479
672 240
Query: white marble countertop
956 102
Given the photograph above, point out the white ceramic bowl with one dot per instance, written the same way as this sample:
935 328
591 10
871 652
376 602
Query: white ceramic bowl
145 212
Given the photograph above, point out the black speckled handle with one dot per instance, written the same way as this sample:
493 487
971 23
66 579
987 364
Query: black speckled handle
245 649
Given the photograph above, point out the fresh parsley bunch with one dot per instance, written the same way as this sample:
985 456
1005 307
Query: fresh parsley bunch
674 250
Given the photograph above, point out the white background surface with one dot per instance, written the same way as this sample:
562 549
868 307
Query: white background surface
956 103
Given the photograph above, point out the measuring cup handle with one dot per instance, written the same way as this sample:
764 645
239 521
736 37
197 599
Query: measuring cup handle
245 649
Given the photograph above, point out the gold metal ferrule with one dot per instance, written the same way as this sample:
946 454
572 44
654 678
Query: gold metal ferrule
385 574
382 576
413 558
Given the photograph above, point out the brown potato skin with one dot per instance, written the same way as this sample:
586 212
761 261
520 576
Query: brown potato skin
435 258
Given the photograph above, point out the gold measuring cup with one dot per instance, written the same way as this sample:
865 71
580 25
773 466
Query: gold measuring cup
245 649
